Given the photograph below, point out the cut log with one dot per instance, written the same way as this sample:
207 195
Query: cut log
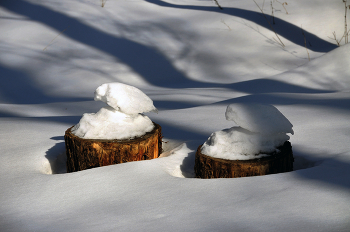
89 153
207 167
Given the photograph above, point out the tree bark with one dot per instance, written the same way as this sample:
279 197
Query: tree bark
207 167
89 153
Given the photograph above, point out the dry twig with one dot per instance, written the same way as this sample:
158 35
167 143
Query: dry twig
273 17
284 3
55 38
217 3
226 24
302 31
346 32
335 38
280 41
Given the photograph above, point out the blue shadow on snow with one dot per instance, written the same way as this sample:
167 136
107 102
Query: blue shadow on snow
19 88
286 30
146 61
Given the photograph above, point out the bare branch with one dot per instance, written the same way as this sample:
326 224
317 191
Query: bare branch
226 24
302 31
217 3
55 38
280 41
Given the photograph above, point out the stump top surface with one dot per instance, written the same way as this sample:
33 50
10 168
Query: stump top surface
143 137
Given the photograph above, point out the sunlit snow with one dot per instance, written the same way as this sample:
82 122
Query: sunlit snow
260 118
192 59
124 98
122 119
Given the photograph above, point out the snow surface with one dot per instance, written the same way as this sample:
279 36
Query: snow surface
237 143
192 59
124 98
122 119
110 124
259 118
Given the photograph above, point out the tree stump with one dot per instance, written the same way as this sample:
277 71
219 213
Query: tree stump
89 153
207 167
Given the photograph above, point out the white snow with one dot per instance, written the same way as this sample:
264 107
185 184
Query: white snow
238 143
124 98
110 124
193 60
264 119
122 119
261 130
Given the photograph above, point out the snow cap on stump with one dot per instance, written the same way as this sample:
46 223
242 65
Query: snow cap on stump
117 133
124 98
264 119
260 130
121 119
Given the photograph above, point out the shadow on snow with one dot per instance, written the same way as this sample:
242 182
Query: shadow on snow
282 28
19 88
153 66
331 171
289 100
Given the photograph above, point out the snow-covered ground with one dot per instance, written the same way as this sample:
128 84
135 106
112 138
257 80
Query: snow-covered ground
193 60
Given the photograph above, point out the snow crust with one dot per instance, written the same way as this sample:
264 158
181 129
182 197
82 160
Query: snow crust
122 119
262 128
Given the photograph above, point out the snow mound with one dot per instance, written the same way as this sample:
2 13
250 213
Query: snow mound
328 72
109 123
124 98
265 119
122 119
262 128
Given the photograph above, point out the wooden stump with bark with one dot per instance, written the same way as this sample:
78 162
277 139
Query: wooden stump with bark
89 153
207 167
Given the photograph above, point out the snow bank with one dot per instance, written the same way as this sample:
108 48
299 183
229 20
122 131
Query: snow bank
122 119
262 128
